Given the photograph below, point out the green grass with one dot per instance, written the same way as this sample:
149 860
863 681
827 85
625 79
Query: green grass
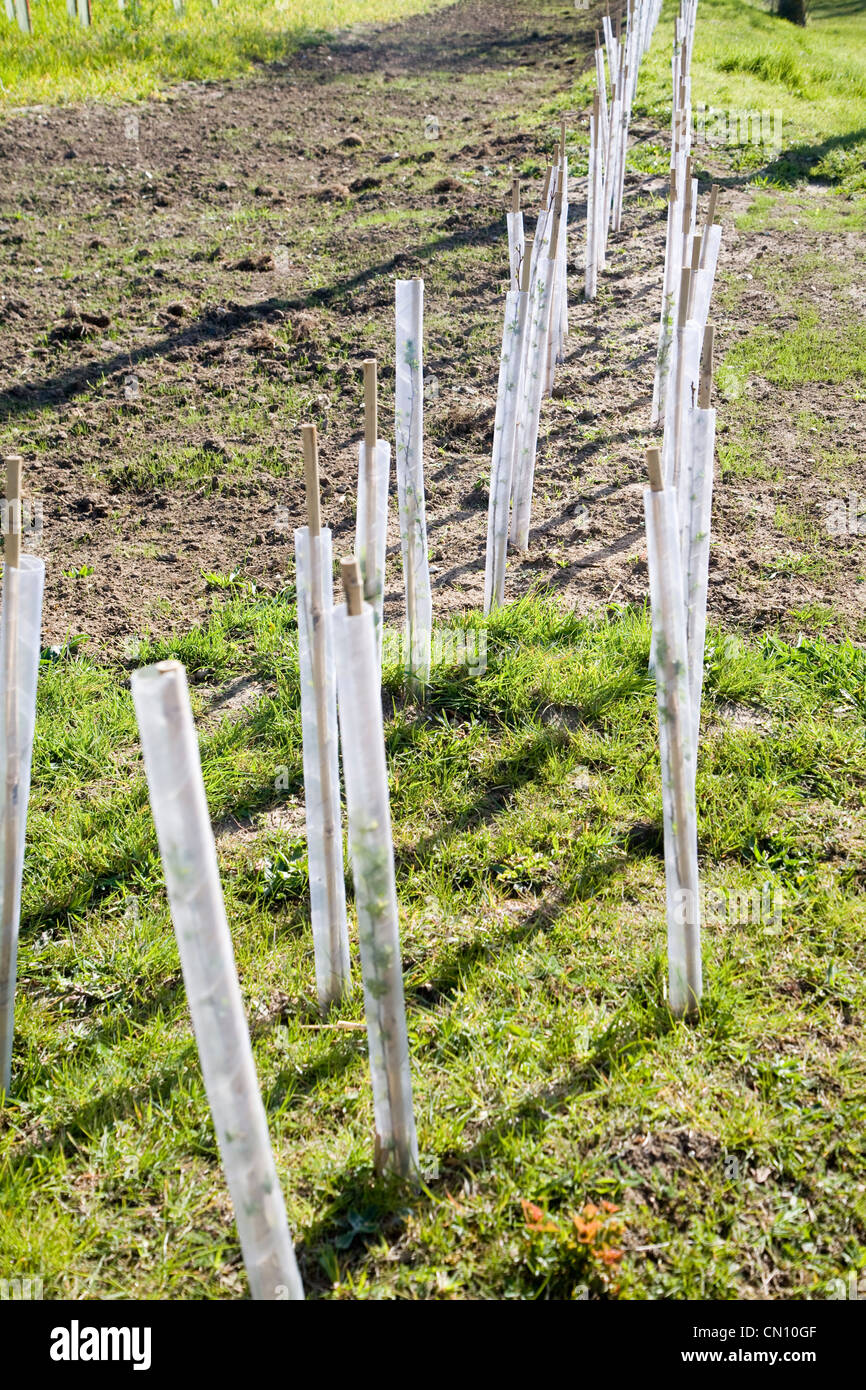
526 807
746 59
135 53
811 351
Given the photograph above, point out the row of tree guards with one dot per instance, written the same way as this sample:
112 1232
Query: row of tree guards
677 507
18 11
536 304
615 86
340 657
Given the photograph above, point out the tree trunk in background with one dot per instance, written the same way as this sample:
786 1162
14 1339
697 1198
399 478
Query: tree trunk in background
794 10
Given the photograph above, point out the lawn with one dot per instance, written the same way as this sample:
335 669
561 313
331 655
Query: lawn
138 51
547 1070
575 1140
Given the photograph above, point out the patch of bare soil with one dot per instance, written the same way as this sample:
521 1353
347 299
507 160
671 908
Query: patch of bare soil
181 291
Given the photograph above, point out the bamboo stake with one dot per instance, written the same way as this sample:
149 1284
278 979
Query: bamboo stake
12 539
693 276
309 438
349 573
705 392
515 195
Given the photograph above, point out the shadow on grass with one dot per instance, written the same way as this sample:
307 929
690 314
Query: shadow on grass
367 1209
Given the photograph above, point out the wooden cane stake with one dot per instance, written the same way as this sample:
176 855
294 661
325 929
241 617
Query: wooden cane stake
12 537
350 572
654 469
705 388
526 268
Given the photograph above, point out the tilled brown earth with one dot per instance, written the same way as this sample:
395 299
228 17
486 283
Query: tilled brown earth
185 283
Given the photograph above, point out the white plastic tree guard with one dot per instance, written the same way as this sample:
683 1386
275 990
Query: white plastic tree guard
676 741
318 680
186 843
372 854
409 429
20 628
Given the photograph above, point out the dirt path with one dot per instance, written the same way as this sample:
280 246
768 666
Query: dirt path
188 282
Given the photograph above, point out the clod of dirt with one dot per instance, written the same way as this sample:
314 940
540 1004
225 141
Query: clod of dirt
425 156
91 506
70 153
447 185
363 184
463 419
262 341
215 446
14 308
331 193
96 319
162 201
304 325
225 185
265 190
353 142
260 263
69 331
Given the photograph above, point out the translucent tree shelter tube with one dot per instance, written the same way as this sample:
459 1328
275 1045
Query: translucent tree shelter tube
542 230
666 321
591 271
557 252
372 852
562 317
704 279
371 526
20 628
531 393
622 145
684 369
675 742
516 239
409 429
22 14
186 844
694 505
601 91
321 746
505 439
